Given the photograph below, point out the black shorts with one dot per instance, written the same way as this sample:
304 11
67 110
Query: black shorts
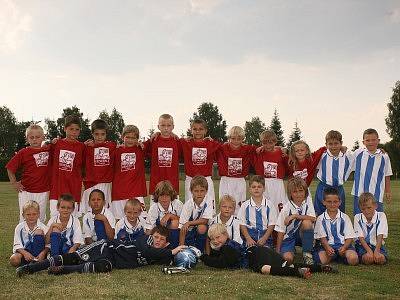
260 256
94 252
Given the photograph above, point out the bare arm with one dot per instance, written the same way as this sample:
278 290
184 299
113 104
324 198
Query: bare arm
279 240
17 185
388 193
266 235
249 241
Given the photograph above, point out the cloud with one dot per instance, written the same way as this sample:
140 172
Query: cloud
394 16
204 7
14 24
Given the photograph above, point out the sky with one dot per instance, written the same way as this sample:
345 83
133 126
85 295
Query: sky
324 64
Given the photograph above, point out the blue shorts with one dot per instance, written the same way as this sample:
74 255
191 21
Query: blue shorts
257 234
361 251
336 258
319 198
289 244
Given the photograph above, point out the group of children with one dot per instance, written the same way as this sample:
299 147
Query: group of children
263 231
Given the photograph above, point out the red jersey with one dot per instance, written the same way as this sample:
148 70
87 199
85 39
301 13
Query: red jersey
67 162
270 164
306 169
99 164
199 156
129 175
35 164
164 154
234 162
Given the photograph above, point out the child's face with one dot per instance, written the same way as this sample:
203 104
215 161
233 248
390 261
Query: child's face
99 136
300 151
130 139
164 200
72 131
165 126
269 144
198 131
371 141
31 215
219 240
368 209
35 137
227 209
334 146
235 141
96 202
198 193
159 241
256 189
298 195
132 213
65 208
332 203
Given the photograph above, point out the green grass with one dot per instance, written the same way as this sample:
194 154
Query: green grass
149 282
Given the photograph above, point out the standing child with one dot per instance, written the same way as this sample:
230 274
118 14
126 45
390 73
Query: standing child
67 157
99 163
29 242
65 233
334 233
257 215
129 174
295 224
132 225
98 223
371 229
34 162
196 213
372 171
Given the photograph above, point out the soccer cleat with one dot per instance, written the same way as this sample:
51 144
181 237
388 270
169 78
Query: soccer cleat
23 270
308 259
55 270
174 270
304 273
329 269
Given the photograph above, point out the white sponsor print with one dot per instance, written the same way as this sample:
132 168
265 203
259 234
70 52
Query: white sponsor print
199 156
270 169
165 157
41 159
66 160
235 166
101 156
128 161
302 174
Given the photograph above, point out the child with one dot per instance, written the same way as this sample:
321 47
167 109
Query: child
199 156
270 163
372 171
65 233
34 162
29 242
129 175
67 162
196 213
166 211
333 170
371 229
226 217
98 223
295 224
233 166
132 225
257 215
99 163
334 232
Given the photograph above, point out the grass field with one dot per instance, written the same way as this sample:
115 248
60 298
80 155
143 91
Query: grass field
148 282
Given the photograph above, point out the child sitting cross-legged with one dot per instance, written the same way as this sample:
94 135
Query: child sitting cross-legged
132 225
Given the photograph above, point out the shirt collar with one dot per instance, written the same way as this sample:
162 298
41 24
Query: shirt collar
373 220
103 211
69 224
129 225
228 223
161 209
26 227
341 154
263 202
377 151
326 216
201 204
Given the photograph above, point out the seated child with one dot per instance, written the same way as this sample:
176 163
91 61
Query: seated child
131 226
334 233
257 215
165 211
65 233
295 224
98 223
371 229
29 242
196 213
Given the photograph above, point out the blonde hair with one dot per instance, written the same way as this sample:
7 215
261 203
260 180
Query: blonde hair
33 127
134 203
130 129
333 135
30 205
236 131
166 117
365 198
198 181
268 135
229 199
216 229
292 153
296 183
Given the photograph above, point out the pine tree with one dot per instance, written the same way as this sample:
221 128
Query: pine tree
393 118
276 126
252 130
294 136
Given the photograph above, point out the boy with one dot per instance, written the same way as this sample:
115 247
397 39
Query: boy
371 229
29 242
99 163
196 213
67 162
129 175
295 223
334 232
103 256
372 171
34 161
132 225
333 170
257 215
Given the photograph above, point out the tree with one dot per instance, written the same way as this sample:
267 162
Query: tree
151 132
252 130
215 123
393 118
355 146
51 129
393 150
276 127
8 133
21 136
115 124
294 136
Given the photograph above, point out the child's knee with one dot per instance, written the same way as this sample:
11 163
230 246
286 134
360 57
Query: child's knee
288 256
174 224
15 260
352 258
367 259
323 257
39 232
306 224
202 229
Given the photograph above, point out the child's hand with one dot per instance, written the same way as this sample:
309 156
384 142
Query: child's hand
56 227
154 136
330 251
369 256
89 143
178 249
261 241
388 197
382 150
260 149
290 218
100 217
41 256
378 257
55 140
208 138
164 220
342 251
17 185
343 149
28 257
250 242
140 144
185 227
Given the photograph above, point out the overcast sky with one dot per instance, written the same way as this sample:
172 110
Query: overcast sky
325 64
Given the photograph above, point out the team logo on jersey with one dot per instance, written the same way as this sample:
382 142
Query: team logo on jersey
199 156
270 169
85 256
165 157
66 160
302 174
41 159
235 166
101 156
128 161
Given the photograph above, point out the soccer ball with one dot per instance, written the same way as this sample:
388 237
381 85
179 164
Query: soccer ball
187 258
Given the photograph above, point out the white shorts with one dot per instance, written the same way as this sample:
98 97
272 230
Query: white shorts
40 198
54 210
235 187
210 191
104 187
275 191
117 208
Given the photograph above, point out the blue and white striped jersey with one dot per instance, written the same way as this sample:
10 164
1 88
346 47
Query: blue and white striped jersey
72 233
334 170
88 229
370 230
336 230
232 226
257 217
157 212
191 211
23 235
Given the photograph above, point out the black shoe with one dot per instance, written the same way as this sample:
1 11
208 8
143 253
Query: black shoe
23 270
56 270
329 269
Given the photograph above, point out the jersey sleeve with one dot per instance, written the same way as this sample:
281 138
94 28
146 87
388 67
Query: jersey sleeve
383 225
348 228
388 166
86 230
236 232
241 216
319 231
226 257
310 210
316 156
18 244
152 217
15 163
208 212
358 231
185 215
111 219
118 227
280 221
78 237
273 215
178 207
